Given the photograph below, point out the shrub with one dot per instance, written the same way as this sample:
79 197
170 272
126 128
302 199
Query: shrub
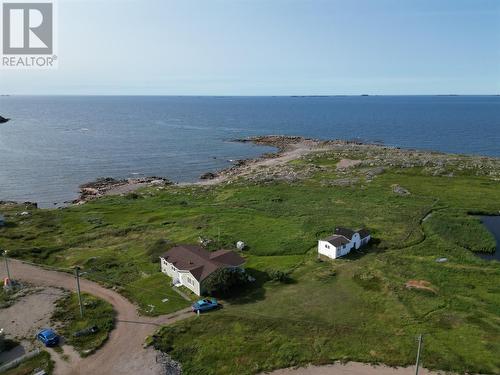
280 276
224 281
132 195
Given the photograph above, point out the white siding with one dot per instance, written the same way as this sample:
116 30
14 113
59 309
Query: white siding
190 282
364 241
356 240
327 249
169 269
184 277
345 249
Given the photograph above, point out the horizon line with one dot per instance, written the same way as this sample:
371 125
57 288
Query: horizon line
250 96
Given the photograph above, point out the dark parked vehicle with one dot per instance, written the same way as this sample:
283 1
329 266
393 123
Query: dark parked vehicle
86 331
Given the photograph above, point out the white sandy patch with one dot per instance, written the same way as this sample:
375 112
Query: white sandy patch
347 163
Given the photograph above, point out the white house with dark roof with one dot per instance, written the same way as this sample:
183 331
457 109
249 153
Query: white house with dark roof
342 242
191 265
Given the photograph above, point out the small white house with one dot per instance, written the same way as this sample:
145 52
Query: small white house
190 265
342 242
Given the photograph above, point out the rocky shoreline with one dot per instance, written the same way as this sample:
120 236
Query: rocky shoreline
110 186
288 148
375 158
275 166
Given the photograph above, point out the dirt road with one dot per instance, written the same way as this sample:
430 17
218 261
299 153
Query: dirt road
353 368
123 353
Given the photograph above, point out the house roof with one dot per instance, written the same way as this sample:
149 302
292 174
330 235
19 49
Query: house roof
343 236
347 233
200 262
364 232
337 240
227 257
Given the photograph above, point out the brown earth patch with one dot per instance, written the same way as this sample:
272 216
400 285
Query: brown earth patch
420 285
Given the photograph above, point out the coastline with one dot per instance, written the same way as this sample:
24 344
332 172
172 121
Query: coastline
351 166
287 148
272 165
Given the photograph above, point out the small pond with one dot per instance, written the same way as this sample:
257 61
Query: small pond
493 225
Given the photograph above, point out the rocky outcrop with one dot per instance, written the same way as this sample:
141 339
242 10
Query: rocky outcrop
208 176
111 186
281 142
3 120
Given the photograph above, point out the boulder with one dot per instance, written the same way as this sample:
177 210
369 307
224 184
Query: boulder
208 176
3 120
396 189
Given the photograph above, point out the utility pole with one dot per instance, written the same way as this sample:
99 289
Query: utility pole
6 263
218 236
420 341
77 275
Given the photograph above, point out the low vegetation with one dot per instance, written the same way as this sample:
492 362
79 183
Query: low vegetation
5 299
9 296
466 231
40 362
85 334
300 309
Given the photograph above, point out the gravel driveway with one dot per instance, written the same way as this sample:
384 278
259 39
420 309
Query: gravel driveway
123 353
30 313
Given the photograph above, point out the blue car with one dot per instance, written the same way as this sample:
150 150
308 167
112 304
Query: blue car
205 305
48 337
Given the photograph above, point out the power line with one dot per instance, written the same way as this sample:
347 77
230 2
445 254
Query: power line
95 276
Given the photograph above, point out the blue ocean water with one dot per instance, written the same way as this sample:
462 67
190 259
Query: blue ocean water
55 143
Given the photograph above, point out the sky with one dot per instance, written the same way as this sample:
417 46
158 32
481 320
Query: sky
270 47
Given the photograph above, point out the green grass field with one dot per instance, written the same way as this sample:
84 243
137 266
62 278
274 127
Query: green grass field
355 308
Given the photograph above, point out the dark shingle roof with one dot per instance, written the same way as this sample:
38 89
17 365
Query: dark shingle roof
347 233
337 240
364 232
227 257
200 262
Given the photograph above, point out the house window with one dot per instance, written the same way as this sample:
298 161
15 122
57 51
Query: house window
190 281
